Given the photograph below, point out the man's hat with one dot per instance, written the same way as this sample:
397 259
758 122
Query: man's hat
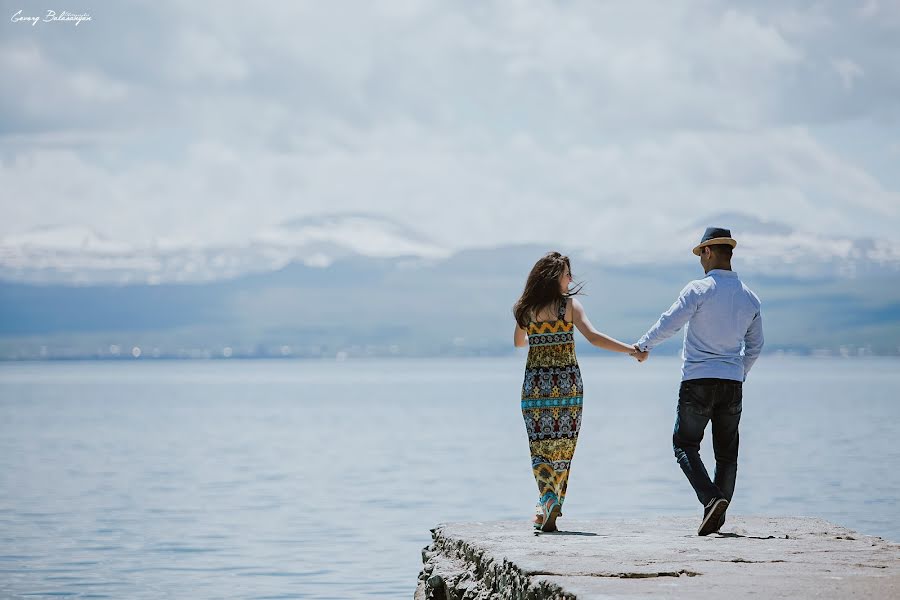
715 235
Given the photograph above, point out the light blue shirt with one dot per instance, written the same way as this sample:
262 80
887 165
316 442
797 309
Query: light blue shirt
722 323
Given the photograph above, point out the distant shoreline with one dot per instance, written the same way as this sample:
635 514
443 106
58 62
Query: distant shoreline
370 358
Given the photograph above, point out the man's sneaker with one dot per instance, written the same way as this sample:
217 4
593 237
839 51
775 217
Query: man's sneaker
714 511
721 522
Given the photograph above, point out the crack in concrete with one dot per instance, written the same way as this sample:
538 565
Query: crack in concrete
751 562
624 575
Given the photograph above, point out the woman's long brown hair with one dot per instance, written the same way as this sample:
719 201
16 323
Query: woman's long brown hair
542 288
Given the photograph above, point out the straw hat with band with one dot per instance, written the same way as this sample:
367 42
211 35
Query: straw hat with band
713 236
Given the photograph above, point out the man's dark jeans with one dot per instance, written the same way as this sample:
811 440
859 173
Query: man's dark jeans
699 402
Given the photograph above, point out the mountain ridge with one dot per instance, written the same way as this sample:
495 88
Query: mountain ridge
78 255
401 306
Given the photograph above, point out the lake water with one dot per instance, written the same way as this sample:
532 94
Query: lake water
289 479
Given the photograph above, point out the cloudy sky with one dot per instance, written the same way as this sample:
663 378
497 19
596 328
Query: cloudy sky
477 123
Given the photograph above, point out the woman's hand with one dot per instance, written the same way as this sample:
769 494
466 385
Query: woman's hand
638 354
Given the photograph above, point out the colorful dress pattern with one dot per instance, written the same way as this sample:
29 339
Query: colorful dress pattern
551 403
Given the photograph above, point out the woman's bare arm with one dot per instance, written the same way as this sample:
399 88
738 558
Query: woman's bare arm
520 337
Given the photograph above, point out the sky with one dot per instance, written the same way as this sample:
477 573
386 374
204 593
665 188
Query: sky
616 125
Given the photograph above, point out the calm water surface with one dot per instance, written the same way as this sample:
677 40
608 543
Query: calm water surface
284 479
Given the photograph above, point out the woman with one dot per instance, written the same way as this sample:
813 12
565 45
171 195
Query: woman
552 392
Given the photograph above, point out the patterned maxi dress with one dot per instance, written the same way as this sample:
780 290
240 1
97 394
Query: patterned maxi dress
551 403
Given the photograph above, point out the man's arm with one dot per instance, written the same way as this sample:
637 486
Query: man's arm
753 343
673 319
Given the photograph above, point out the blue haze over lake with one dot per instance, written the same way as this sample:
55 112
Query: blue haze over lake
308 479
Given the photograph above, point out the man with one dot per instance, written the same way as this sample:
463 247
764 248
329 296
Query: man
722 339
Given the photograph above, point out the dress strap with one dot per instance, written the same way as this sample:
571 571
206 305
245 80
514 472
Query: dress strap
562 309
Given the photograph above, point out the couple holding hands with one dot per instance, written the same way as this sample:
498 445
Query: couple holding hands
723 337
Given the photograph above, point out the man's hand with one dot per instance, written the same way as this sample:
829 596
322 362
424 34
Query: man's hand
640 355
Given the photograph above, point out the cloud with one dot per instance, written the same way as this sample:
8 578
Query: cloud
848 70
204 59
477 123
465 193
45 94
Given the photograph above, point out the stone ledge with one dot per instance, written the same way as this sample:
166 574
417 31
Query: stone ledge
763 557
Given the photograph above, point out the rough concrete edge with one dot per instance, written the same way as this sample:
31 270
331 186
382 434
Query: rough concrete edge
456 570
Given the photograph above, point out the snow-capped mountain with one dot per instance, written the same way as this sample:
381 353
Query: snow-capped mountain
79 255
770 248
774 248
70 254
373 299
66 238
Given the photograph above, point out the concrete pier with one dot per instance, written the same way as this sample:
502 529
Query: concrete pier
759 557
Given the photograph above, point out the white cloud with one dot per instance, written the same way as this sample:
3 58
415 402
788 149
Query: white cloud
202 58
478 123
848 70
45 90
463 193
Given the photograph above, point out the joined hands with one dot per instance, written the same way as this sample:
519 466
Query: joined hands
638 354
